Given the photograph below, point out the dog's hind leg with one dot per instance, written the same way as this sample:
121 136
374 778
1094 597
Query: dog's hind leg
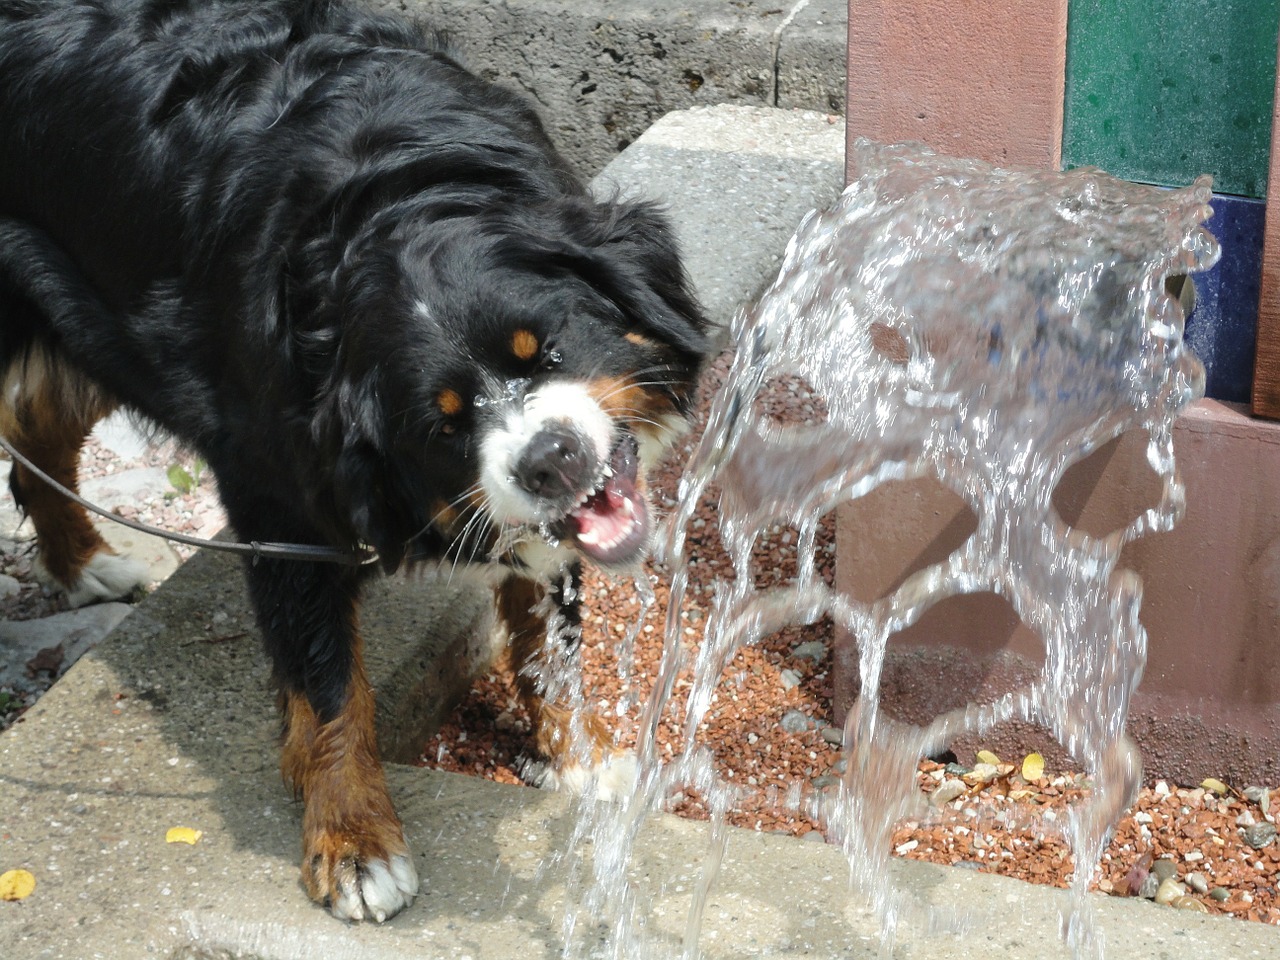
576 743
46 412
354 856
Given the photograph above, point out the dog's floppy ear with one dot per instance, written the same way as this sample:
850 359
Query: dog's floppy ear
630 255
352 423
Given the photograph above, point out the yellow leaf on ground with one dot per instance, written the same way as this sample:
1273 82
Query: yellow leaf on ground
1217 786
986 756
1032 766
182 835
16 884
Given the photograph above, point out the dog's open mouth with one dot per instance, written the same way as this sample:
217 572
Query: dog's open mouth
611 524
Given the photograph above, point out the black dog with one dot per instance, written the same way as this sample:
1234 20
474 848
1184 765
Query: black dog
361 284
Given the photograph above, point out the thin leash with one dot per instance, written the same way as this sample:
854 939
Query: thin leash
255 549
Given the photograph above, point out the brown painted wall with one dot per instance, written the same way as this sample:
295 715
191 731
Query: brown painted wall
979 80
1209 703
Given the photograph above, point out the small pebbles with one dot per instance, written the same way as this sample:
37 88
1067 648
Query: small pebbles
1220 894
1189 903
948 791
1169 891
833 736
790 679
1197 882
1150 884
1259 835
810 650
1164 869
796 721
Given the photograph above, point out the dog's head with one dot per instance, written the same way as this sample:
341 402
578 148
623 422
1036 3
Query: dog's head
506 379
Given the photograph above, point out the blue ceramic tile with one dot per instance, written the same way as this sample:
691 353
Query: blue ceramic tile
1222 328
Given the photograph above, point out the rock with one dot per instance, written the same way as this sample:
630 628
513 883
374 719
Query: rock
1169 891
981 773
1164 869
1197 882
9 586
814 650
1220 894
126 488
1150 884
155 552
825 781
795 721
790 679
1259 835
121 436
956 769
75 631
833 736
946 792
1189 903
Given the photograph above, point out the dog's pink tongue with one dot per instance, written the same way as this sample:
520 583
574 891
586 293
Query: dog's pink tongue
613 523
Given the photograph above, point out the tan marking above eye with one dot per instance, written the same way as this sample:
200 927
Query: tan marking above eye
524 344
449 402
640 340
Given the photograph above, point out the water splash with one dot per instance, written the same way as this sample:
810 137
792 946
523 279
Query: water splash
987 328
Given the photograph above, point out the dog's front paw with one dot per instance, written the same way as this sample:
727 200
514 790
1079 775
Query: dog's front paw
358 880
107 576
613 779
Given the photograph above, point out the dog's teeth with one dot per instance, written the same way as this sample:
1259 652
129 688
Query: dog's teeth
628 507
589 537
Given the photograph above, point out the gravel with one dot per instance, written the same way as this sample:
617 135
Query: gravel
755 748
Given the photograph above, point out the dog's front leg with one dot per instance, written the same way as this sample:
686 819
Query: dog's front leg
354 856
577 745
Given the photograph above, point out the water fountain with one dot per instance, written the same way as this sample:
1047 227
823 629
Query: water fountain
987 328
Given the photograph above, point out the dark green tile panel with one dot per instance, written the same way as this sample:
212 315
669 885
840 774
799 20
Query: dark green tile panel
1163 90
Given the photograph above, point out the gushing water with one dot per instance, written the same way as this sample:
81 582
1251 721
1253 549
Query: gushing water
987 328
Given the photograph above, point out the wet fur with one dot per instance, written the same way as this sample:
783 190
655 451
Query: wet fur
293 235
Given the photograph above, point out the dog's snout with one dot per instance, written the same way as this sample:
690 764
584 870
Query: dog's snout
555 464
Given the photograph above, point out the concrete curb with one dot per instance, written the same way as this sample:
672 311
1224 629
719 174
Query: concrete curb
603 72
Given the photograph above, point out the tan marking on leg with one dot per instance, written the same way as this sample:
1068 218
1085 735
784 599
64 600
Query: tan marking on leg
46 412
334 767
518 600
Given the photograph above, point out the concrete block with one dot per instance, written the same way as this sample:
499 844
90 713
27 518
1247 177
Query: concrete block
806 80
735 181
602 72
1209 701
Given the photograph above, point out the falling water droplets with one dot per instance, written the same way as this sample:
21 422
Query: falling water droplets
987 328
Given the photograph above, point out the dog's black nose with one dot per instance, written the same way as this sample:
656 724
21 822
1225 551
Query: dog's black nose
555 465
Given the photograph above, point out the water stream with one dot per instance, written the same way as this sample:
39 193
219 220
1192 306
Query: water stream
987 328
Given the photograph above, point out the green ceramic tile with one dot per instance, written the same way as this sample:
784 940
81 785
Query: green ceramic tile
1163 90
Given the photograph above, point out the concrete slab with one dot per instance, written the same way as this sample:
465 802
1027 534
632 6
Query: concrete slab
736 181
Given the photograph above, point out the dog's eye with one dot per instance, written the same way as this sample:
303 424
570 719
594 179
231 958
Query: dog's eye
551 356
449 429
